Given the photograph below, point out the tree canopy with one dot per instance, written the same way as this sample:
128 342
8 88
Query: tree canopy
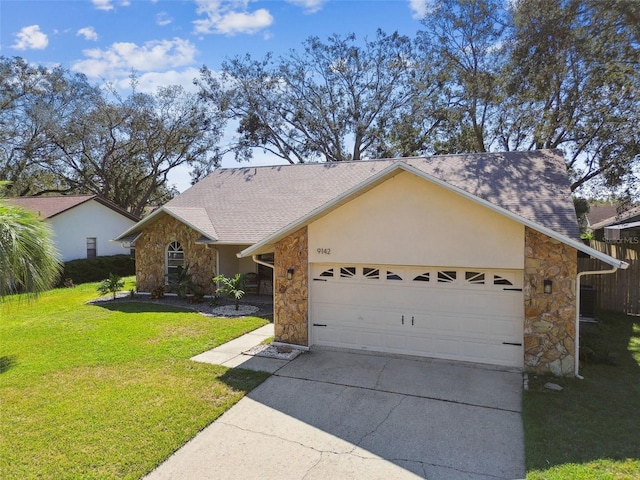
333 101
482 75
61 135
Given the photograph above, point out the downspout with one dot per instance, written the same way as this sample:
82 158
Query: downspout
260 262
577 334
272 267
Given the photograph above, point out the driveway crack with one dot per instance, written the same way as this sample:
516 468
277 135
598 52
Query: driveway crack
426 397
284 439
375 429
381 372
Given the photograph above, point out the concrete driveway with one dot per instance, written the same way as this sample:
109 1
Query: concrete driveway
340 415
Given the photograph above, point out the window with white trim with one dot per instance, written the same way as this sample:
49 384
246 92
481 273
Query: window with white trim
174 261
92 247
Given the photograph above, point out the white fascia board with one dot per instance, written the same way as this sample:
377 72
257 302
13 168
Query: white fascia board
623 226
267 244
126 239
533 225
393 170
142 223
193 227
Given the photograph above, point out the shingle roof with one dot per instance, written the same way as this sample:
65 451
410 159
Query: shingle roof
245 205
604 215
598 213
48 207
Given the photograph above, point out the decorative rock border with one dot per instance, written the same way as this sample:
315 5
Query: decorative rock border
271 351
230 310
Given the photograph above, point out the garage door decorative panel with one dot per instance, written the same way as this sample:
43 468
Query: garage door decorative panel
453 313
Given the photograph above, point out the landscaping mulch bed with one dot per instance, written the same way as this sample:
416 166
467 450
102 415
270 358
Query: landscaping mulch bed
251 305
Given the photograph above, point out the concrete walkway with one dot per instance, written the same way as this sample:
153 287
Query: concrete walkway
337 414
230 354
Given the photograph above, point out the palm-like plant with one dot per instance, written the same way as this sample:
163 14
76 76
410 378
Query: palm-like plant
29 261
232 287
113 285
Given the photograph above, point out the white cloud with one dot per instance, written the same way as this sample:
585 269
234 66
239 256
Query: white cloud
31 38
103 4
421 7
107 5
241 22
123 57
230 17
150 81
163 19
309 6
88 33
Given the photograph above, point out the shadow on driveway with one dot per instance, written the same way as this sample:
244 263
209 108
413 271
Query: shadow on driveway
335 414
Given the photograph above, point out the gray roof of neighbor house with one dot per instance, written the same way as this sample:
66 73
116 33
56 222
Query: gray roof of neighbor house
245 205
49 207
614 217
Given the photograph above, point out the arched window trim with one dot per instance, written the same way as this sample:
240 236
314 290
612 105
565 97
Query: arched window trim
173 260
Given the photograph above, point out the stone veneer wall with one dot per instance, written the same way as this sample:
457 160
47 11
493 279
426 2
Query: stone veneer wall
549 325
291 296
151 252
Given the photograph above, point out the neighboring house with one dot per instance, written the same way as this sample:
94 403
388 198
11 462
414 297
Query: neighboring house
83 224
445 256
611 226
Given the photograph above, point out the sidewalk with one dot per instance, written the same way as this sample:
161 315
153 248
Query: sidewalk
230 354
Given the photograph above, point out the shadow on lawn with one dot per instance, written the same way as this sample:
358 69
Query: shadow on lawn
132 306
595 418
242 379
7 362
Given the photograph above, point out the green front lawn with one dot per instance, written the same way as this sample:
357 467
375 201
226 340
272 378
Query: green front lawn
108 391
590 430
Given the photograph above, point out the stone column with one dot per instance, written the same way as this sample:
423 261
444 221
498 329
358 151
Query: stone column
549 325
291 296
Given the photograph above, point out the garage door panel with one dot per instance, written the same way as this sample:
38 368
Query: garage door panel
456 314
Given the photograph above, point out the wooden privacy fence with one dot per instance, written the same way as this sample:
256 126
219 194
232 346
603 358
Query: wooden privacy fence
619 291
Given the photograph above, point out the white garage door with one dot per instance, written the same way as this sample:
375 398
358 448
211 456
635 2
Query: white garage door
472 314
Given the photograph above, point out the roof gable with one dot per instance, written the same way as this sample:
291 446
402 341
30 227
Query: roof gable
49 207
257 205
267 244
245 205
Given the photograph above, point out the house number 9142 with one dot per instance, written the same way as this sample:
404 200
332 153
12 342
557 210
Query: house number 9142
324 251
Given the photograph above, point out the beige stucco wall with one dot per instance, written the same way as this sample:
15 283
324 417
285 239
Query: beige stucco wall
409 221
549 321
150 254
549 325
291 296
230 264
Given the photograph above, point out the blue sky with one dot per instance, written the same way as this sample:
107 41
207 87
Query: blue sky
166 41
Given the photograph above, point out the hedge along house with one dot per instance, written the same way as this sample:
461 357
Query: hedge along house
461 257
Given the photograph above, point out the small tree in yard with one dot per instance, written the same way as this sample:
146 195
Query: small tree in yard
232 287
113 285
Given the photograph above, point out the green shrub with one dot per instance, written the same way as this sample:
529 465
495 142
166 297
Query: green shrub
232 287
113 285
95 269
